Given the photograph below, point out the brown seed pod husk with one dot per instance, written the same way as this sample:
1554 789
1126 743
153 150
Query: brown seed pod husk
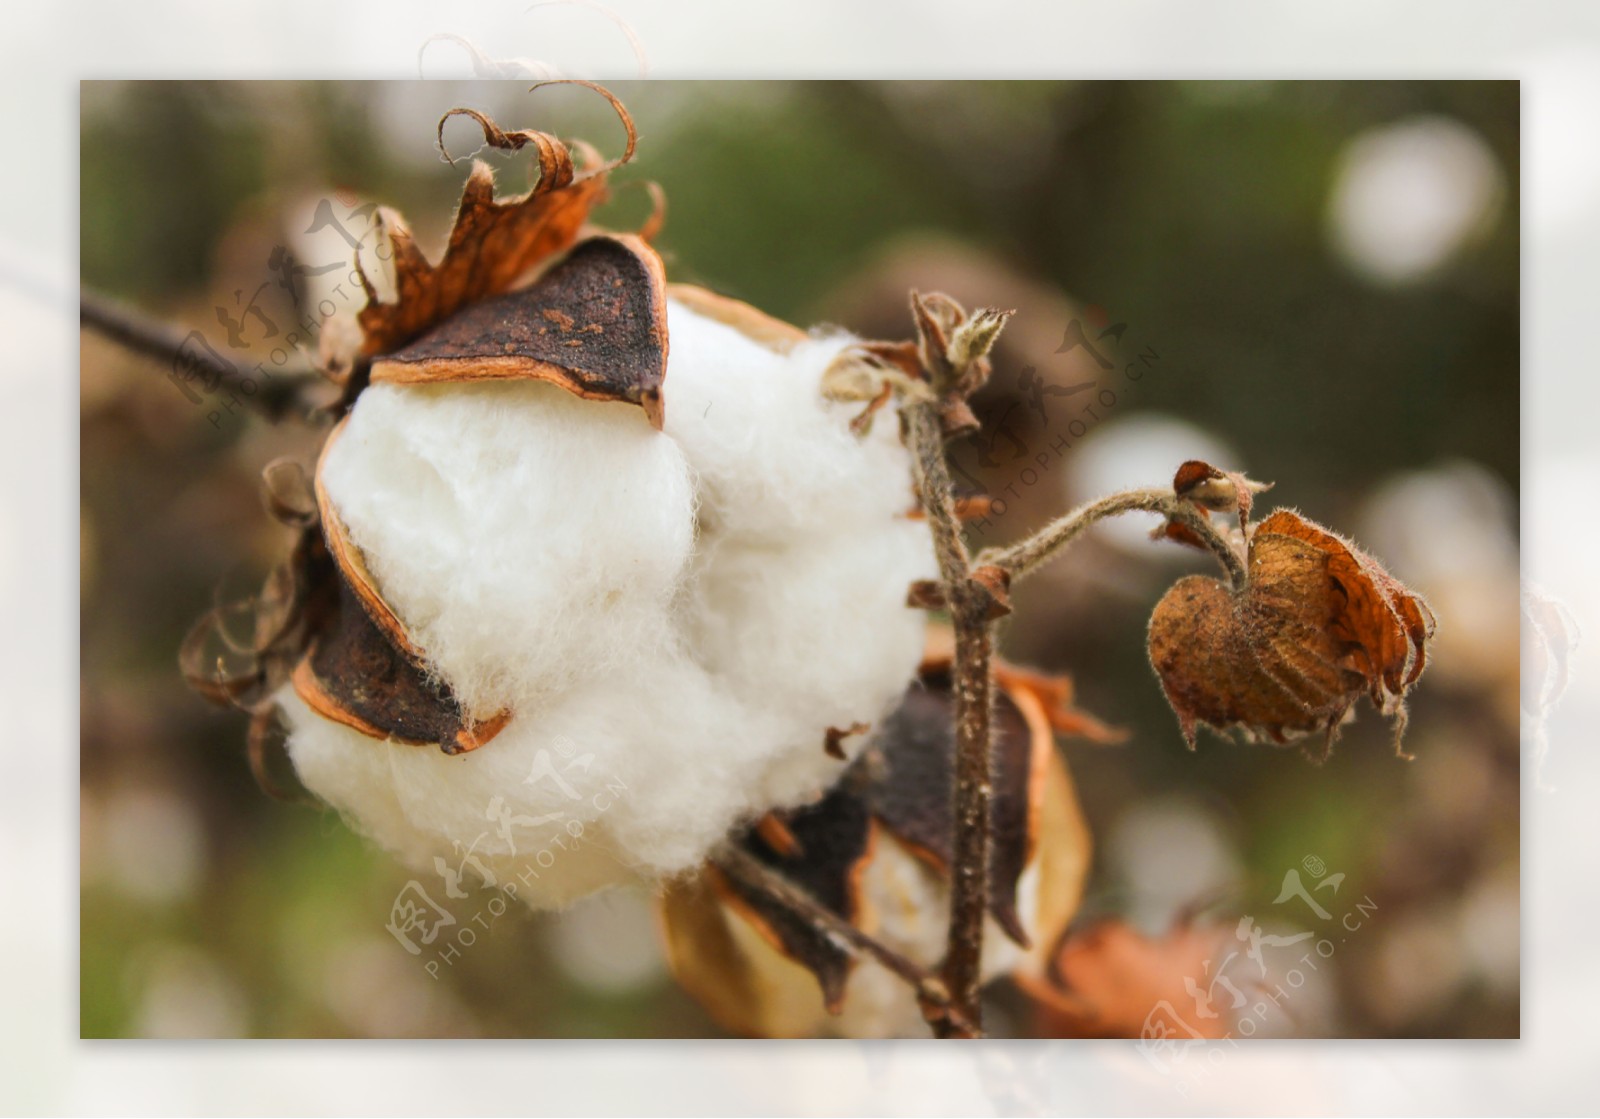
1319 624
595 323
362 667
1109 980
755 324
743 956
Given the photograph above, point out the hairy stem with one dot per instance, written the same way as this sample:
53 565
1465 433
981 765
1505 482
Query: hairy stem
276 397
755 875
970 605
1020 559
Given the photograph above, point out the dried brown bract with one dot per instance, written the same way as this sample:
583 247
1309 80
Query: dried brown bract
493 243
595 324
742 953
1318 624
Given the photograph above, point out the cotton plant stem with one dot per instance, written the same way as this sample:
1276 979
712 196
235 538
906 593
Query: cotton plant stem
970 604
149 337
1027 556
757 876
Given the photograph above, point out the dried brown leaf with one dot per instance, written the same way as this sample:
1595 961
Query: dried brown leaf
492 243
1319 625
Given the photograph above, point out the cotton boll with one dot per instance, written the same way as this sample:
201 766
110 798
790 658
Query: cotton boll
674 619
525 536
815 593
773 458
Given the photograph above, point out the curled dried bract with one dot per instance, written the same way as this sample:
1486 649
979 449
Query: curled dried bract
493 243
1318 625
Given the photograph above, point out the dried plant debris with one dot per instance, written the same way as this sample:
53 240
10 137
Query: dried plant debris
595 324
1210 490
891 807
1319 624
1109 980
493 244
822 849
355 675
320 623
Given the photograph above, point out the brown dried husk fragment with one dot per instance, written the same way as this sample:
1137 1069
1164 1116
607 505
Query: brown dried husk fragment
595 323
355 675
755 324
363 669
1319 625
1109 980
738 952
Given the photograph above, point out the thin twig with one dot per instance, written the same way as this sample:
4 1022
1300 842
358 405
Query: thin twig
755 875
1022 558
274 396
970 606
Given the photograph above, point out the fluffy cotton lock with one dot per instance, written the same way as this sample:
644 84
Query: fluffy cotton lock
674 618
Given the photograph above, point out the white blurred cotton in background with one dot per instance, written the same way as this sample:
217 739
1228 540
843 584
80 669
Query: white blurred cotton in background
1408 195
1450 532
1140 450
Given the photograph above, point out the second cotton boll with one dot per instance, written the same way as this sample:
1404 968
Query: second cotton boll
675 618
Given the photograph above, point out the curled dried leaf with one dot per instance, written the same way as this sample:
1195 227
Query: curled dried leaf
286 491
492 244
244 672
1549 635
1319 624
1054 694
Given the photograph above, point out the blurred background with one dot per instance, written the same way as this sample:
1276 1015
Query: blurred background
1314 282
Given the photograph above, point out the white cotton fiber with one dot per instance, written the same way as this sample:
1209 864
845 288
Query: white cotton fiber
527 537
675 618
